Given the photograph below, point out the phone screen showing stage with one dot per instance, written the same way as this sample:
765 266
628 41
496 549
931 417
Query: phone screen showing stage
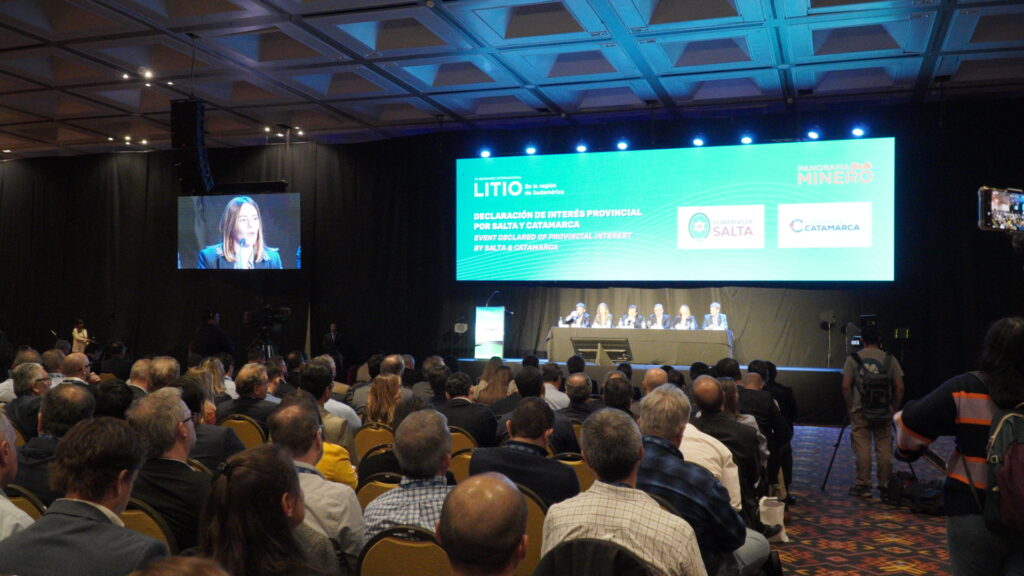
1005 210
239 232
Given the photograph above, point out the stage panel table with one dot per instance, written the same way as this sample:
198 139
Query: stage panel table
674 347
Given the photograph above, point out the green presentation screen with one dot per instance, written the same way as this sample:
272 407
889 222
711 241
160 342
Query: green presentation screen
800 211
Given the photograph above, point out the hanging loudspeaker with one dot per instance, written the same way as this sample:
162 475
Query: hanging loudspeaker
187 127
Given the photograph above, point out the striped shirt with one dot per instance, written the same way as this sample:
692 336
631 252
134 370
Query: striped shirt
961 407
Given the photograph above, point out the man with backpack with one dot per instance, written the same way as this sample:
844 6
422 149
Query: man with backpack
873 389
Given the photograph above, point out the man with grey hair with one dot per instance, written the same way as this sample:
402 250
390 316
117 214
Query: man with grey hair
252 386
552 374
30 383
423 447
726 545
166 481
12 519
52 360
163 371
7 386
138 379
339 409
577 389
614 510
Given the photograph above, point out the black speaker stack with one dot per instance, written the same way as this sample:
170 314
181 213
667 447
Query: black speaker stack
188 122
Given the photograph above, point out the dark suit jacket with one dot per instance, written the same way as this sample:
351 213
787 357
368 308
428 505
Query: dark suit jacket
119 367
563 439
785 398
210 340
178 493
476 419
528 465
689 322
583 322
666 321
24 414
75 538
506 404
215 444
761 405
258 410
213 257
709 321
34 467
638 321
136 392
581 411
331 344
741 440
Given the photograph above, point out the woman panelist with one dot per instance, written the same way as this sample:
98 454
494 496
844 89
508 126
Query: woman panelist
602 318
242 245
684 320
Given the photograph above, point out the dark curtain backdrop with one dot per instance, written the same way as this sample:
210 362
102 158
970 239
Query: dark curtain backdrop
94 237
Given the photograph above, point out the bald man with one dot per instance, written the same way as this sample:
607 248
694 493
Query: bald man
77 369
483 526
652 379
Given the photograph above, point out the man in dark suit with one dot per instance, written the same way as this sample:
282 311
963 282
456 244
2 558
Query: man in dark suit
251 385
715 320
214 444
659 319
138 379
578 318
96 466
524 457
61 408
209 339
166 481
760 404
116 362
740 439
462 412
331 344
577 388
531 384
30 383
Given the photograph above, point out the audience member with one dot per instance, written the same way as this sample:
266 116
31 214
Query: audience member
709 453
732 408
575 364
757 402
63 345
696 495
181 566
385 394
531 384
483 527
214 444
614 510
81 534
436 374
251 521
252 392
12 518
461 411
331 508
336 406
163 371
294 362
676 378
698 369
617 392
315 379
577 389
76 369
423 447
62 407
553 395
364 375
275 381
116 361
31 382
393 365
495 391
52 361
138 379
524 457
113 397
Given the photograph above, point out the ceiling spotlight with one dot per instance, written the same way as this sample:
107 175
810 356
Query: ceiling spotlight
148 85
127 137
531 150
581 148
280 135
698 141
297 128
622 145
858 131
110 138
169 83
266 128
144 142
301 133
485 153
147 74
7 150
746 139
813 134
125 76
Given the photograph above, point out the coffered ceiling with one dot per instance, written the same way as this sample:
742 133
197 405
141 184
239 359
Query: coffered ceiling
79 76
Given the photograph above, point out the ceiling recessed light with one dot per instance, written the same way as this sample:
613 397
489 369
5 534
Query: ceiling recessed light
148 85
110 138
147 74
125 76
144 142
297 128
7 150
127 137
169 83
301 133
266 128
280 135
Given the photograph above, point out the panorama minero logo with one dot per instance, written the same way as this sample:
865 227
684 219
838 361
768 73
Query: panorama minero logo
700 226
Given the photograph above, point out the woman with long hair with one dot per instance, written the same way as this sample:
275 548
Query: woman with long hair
79 336
385 393
602 318
215 367
497 387
207 383
964 407
242 245
685 320
248 523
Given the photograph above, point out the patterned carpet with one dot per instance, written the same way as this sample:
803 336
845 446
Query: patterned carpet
832 533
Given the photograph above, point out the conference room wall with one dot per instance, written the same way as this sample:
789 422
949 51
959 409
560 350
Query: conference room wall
94 237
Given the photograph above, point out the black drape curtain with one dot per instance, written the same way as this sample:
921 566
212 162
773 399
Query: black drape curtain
95 237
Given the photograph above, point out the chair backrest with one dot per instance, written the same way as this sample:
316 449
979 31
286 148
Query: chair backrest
19 438
25 500
198 466
142 518
577 428
377 450
584 473
461 439
665 504
375 485
590 557
371 435
460 464
535 512
404 550
249 431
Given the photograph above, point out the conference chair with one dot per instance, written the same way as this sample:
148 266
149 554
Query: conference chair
590 557
25 500
461 439
377 450
460 463
665 504
142 518
577 429
19 438
535 512
249 431
404 550
198 466
371 435
375 485
584 473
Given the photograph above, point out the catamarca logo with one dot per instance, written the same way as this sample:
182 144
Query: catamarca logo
700 226
842 173
798 226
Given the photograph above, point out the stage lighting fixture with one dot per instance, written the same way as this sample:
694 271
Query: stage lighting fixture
857 131
813 134
485 153
144 142
125 76
622 145
147 74
280 135
581 148
746 139
301 133
698 141
266 128
110 138
531 150
7 150
169 83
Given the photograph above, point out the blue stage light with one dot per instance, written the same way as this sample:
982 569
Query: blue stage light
581 148
531 150
746 139
485 153
622 145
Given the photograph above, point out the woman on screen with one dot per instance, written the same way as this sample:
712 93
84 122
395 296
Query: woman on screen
602 318
684 320
242 245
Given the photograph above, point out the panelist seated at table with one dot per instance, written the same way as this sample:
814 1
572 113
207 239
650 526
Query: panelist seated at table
716 320
578 318
684 320
631 319
659 320
602 318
